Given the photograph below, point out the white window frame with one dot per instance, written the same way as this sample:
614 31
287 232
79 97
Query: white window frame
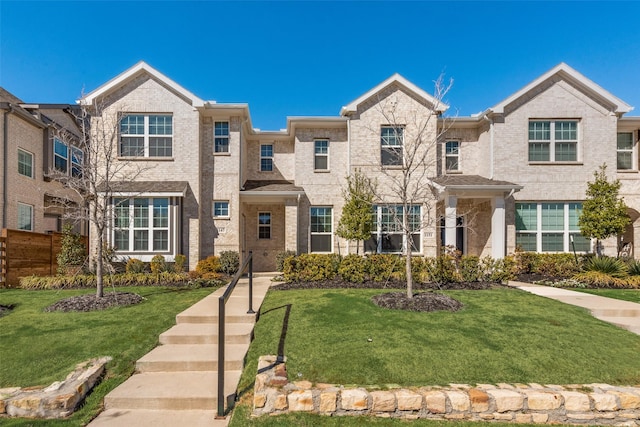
455 155
317 155
221 137
632 150
21 215
73 162
265 226
146 135
320 233
30 156
266 157
215 202
150 227
380 233
386 145
552 141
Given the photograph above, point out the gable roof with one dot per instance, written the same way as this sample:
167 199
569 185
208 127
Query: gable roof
352 107
569 74
133 72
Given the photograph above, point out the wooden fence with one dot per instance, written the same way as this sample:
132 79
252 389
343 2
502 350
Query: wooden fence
24 253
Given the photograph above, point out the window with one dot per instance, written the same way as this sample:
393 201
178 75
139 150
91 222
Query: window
553 141
550 227
321 227
321 155
141 224
625 151
25 163
451 157
391 141
221 137
221 209
266 157
25 217
264 225
387 225
146 135
65 154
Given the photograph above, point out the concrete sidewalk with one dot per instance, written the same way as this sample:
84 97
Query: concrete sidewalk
621 313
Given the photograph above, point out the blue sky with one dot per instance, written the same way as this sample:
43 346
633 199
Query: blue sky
311 58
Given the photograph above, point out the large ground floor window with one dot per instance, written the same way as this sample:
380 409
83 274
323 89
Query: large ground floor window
550 227
141 224
388 236
321 225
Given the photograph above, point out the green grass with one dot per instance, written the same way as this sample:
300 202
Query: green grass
632 295
501 335
39 348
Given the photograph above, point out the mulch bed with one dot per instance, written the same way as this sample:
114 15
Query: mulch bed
91 303
422 301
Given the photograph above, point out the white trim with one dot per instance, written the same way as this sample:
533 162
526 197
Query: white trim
33 169
311 233
316 155
213 209
32 220
264 225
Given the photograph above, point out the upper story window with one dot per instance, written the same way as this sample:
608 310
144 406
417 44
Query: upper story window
25 163
141 224
67 158
266 158
264 225
146 135
221 209
391 141
321 155
625 151
452 156
25 217
553 141
221 137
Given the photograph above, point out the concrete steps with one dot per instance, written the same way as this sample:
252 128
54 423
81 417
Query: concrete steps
157 418
191 357
207 333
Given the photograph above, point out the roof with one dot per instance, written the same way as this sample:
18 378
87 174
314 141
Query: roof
271 186
129 188
473 182
569 74
6 96
396 79
133 72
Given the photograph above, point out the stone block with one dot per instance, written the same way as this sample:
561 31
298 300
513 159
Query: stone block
627 400
539 418
459 400
301 400
479 400
486 416
604 401
436 401
408 400
507 400
383 401
542 401
502 417
328 401
280 402
354 400
581 416
523 418
575 401
259 400
303 385
455 416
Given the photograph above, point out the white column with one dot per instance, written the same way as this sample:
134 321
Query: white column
450 216
498 228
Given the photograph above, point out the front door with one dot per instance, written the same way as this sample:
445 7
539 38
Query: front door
459 234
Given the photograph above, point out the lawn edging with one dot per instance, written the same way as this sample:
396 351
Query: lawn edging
601 404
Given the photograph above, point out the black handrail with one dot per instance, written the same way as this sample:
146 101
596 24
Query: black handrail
248 263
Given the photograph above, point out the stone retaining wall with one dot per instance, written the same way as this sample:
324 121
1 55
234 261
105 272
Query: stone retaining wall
59 400
601 404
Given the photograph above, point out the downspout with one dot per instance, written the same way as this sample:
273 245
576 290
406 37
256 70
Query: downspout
5 164
490 146
349 165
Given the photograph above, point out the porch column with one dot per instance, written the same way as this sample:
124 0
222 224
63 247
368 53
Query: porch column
498 228
450 221
291 225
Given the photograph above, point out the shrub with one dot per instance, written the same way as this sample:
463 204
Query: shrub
158 264
134 265
497 270
179 263
469 268
281 257
442 269
311 267
526 262
229 262
119 280
633 267
419 269
382 267
613 267
556 265
599 279
353 268
72 250
211 264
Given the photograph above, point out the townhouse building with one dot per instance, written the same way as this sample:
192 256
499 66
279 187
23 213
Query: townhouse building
37 142
512 176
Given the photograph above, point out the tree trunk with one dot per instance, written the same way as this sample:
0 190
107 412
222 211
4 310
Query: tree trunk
99 274
409 272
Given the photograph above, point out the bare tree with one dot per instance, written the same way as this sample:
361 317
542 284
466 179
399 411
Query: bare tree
96 174
409 156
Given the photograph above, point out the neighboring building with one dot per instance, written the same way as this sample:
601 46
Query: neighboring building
512 176
36 139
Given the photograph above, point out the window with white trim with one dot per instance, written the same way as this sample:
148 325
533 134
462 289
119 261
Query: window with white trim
391 142
321 227
221 209
67 158
321 155
553 141
264 225
266 157
25 163
624 151
452 156
141 224
550 227
146 135
221 137
25 217
388 235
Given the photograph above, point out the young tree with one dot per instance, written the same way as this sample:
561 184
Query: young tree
355 222
604 213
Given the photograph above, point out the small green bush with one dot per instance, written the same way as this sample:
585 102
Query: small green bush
613 267
353 268
311 267
134 265
211 264
158 264
633 267
72 250
599 279
497 270
469 268
179 263
229 262
382 267
281 257
419 269
442 269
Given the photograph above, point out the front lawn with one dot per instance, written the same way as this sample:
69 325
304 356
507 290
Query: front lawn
632 295
39 348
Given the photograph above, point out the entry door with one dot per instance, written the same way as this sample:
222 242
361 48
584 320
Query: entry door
459 233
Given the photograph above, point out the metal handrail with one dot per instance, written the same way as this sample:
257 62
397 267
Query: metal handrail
222 300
